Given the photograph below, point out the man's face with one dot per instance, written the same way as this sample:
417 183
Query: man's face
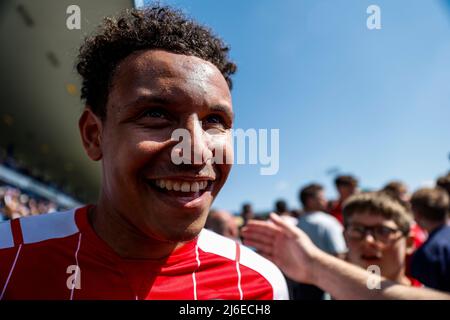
389 255
319 202
153 93
230 229
345 191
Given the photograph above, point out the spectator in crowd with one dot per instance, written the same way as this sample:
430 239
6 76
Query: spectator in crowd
346 186
377 232
397 190
281 208
15 203
223 223
444 182
324 230
3 216
431 262
247 213
302 261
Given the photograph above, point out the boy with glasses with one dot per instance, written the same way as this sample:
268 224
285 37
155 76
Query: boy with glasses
377 232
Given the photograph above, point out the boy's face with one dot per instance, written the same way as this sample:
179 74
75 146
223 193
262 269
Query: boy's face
375 240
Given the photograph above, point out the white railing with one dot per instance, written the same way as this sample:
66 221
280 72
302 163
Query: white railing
29 184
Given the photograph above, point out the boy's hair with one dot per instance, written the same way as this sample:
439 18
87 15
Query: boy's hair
377 203
431 203
156 27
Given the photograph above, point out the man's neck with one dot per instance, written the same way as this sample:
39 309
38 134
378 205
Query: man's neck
310 210
430 226
126 240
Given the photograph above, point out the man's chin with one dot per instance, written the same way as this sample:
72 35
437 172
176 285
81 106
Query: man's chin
177 232
183 236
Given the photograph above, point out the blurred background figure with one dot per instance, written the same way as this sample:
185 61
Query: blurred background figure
223 223
444 182
247 213
398 190
15 203
324 231
281 208
346 186
430 264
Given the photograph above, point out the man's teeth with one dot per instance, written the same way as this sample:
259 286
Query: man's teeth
182 186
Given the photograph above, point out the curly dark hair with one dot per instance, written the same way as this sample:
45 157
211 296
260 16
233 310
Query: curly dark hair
155 27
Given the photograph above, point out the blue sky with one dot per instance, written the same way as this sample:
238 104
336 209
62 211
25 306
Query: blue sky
374 103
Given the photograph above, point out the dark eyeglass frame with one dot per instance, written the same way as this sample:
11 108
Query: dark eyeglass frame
380 233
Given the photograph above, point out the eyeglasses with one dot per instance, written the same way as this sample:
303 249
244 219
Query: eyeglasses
380 233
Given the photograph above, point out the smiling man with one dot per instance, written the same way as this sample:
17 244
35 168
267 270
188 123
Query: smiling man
145 74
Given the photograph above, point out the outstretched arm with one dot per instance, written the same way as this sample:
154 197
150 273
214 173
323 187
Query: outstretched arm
294 253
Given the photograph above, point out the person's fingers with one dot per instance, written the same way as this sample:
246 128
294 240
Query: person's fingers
257 236
261 227
288 229
262 248
268 257
267 224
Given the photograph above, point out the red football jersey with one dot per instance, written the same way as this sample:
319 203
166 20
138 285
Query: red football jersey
59 256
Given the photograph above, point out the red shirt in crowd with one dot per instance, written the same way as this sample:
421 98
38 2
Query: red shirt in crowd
336 211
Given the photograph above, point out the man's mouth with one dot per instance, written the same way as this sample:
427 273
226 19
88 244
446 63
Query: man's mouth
185 192
180 185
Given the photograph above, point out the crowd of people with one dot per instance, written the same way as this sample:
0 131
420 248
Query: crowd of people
404 236
12 161
401 236
16 203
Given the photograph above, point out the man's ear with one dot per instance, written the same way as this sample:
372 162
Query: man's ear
91 131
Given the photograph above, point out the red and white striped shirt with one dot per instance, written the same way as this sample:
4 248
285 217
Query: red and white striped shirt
59 256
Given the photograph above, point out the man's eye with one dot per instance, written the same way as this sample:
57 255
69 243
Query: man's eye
215 119
155 113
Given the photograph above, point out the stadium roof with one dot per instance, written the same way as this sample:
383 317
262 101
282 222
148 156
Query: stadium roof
40 103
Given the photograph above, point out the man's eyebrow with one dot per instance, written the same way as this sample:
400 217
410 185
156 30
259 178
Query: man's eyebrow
150 99
147 99
223 109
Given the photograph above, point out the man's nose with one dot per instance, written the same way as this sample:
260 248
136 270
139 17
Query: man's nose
200 150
